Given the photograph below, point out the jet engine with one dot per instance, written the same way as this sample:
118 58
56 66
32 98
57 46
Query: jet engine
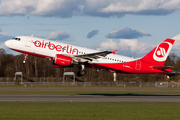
62 60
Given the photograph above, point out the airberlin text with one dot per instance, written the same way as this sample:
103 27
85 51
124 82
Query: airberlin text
58 48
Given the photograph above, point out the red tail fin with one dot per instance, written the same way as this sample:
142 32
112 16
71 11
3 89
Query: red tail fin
160 53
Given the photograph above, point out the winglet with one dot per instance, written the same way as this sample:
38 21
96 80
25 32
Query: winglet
113 51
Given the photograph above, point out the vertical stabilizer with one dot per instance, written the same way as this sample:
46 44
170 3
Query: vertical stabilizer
160 53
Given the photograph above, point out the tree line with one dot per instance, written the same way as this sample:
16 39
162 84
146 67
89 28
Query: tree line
36 67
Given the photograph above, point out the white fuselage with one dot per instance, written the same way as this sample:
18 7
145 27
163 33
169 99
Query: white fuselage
49 48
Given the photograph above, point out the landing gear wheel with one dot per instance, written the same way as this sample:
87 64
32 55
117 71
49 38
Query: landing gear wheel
81 73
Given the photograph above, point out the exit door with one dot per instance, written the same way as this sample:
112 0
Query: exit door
138 65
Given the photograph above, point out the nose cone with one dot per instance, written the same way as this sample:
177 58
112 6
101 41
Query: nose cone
8 43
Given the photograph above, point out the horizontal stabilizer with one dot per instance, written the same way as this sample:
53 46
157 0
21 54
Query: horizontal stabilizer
161 67
164 68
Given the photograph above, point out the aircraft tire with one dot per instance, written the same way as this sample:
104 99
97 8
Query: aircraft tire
81 73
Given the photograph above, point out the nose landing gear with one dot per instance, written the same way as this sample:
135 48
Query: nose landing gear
25 57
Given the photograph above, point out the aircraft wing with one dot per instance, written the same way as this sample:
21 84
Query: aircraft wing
92 56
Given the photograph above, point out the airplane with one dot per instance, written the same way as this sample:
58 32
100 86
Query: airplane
66 55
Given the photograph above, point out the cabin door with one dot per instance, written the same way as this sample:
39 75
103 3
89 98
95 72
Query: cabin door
138 65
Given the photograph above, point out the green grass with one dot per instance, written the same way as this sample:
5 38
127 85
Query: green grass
89 111
85 90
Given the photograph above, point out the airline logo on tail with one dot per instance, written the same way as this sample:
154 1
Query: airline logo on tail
162 51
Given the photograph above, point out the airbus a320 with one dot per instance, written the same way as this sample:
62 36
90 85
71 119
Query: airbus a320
66 55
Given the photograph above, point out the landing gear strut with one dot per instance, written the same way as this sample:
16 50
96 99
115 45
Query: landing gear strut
81 71
25 57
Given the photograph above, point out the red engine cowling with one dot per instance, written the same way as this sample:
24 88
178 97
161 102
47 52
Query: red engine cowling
62 60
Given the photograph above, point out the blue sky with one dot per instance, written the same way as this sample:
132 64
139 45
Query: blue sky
133 27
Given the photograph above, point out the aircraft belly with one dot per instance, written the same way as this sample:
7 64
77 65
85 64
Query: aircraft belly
116 67
126 68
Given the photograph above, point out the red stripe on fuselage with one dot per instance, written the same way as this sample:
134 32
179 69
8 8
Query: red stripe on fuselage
30 53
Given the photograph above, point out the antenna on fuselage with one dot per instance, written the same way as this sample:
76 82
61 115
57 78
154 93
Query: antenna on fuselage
32 35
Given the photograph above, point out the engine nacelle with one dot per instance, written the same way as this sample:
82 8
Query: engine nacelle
62 60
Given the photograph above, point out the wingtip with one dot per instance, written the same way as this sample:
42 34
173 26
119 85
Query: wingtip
114 51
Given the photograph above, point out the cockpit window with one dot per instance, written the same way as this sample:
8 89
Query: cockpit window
18 39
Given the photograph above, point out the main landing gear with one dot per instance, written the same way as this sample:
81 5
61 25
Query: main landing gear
81 71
